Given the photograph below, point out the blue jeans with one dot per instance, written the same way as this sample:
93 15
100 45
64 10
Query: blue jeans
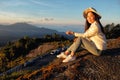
86 44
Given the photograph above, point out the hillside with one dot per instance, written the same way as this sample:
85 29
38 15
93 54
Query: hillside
35 59
19 30
85 67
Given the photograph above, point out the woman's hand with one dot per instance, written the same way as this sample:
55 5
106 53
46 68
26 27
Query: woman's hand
75 39
69 32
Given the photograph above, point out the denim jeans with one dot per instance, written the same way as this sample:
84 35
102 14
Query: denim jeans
86 44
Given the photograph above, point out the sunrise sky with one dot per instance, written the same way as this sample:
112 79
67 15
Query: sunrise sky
57 11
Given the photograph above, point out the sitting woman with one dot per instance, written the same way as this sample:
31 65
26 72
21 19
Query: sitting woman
93 39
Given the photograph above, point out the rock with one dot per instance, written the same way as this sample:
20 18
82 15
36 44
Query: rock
85 67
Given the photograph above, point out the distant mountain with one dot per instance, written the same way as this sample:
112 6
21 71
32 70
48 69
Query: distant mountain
18 30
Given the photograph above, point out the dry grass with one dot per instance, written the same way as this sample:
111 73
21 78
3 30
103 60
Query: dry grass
85 67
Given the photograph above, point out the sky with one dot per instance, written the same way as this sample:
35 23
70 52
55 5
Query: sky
58 12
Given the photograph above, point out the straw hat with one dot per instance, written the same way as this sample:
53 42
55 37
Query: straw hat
90 10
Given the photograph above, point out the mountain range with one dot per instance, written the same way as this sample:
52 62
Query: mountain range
18 30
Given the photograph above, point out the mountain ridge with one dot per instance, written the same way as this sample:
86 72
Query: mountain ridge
18 30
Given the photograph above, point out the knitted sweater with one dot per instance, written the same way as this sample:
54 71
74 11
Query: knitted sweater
94 34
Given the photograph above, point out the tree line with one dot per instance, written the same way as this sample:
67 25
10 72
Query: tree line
21 47
112 31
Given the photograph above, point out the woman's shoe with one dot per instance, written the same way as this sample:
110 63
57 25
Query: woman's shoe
61 55
69 58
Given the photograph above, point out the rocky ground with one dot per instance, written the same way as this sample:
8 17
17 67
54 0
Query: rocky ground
85 67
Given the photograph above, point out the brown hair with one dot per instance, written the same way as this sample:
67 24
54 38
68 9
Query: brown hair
87 24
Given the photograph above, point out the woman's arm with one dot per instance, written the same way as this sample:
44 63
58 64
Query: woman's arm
69 32
90 32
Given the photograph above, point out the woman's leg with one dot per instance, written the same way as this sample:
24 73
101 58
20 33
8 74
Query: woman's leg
90 46
71 50
74 46
85 43
81 42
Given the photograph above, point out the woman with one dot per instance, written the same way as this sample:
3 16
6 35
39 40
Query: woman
93 39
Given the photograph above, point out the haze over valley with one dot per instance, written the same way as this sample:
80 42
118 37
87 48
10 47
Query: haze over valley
18 30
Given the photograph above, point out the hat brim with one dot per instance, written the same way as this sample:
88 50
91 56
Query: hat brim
90 10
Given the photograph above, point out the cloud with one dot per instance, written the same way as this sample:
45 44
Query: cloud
12 3
38 2
48 19
9 17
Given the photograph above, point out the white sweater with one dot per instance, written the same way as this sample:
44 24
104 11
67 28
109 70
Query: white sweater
95 34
